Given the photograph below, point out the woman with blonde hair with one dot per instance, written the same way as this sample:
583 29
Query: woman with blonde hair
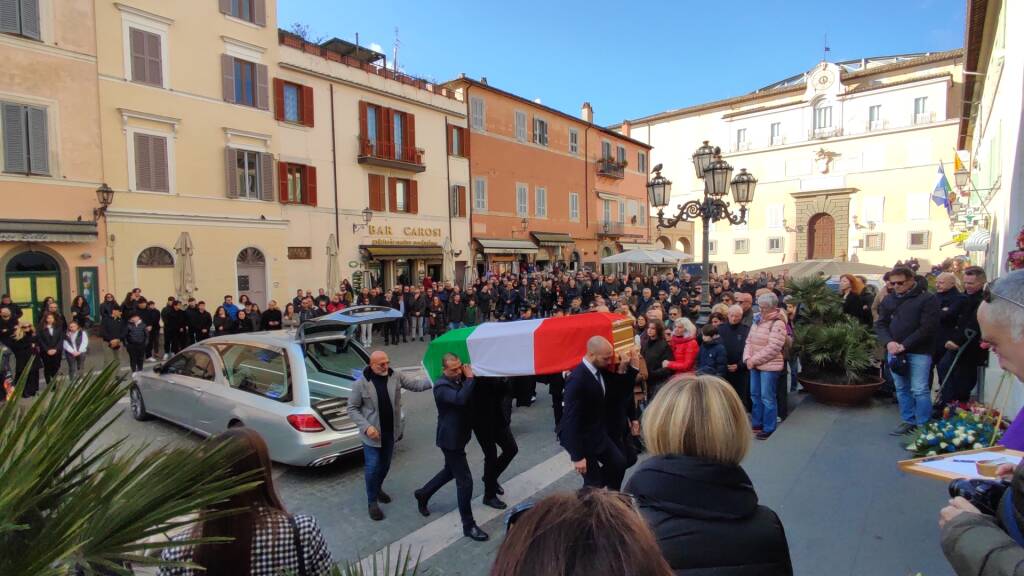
693 491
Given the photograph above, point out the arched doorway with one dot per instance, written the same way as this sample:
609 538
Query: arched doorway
251 268
683 245
821 237
31 277
664 242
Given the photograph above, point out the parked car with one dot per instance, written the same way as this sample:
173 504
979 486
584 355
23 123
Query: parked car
291 386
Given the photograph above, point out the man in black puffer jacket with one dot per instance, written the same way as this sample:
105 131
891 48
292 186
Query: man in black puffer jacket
907 321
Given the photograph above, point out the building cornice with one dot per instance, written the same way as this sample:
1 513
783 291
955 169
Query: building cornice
454 111
7 40
127 114
122 216
144 14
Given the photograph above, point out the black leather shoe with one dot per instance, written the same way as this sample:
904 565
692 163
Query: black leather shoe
376 513
475 533
494 502
383 497
421 503
499 490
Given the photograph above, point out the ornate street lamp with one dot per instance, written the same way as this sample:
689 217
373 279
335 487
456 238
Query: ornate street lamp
718 180
105 196
962 177
367 217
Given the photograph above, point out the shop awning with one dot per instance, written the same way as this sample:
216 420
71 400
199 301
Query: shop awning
400 251
978 241
491 246
552 238
608 196
47 231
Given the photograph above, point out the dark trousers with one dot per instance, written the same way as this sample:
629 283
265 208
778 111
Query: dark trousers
455 467
525 389
961 379
51 366
556 386
390 332
152 343
169 341
606 467
740 382
490 440
376 464
27 363
136 356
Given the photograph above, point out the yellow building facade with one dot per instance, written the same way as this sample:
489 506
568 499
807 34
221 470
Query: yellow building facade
190 147
846 155
51 245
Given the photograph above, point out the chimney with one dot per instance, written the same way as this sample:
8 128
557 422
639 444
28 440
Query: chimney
624 129
587 113
483 80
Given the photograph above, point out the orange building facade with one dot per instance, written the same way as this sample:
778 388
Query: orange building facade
549 189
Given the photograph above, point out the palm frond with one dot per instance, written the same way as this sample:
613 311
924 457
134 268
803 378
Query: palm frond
70 502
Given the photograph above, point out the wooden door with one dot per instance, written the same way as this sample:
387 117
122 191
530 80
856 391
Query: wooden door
821 237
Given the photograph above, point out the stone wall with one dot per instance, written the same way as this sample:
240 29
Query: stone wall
838 206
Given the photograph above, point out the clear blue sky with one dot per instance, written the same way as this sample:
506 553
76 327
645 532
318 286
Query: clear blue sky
630 58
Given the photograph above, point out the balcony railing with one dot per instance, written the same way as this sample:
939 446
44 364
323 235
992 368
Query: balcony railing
386 154
611 168
610 228
923 118
819 133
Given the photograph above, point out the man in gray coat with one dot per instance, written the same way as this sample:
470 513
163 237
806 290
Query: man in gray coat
375 405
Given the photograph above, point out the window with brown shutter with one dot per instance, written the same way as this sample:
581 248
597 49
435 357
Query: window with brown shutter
310 181
146 64
412 204
278 99
376 188
456 141
282 182
460 192
307 106
393 196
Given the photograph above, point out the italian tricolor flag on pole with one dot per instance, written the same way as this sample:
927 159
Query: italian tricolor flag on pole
526 347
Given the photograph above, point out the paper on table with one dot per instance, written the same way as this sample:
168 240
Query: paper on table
964 465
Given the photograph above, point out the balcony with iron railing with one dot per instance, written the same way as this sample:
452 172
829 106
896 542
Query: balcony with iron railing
387 155
610 228
820 133
611 168
922 118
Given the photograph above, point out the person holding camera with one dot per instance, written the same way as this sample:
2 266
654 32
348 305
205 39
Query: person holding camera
992 544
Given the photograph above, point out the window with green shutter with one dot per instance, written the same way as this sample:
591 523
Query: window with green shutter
20 17
26 139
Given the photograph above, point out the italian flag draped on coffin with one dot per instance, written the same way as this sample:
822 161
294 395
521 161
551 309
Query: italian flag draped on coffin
525 347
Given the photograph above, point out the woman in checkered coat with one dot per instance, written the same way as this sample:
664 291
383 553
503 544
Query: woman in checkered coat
267 541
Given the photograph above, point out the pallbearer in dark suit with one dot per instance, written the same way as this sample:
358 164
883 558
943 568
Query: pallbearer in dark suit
584 429
452 392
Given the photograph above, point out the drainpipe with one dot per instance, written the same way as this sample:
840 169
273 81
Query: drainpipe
448 179
586 189
334 173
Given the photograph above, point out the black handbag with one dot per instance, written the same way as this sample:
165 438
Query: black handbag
899 364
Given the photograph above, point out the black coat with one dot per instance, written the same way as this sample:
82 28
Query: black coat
707 520
655 352
951 303
271 320
968 321
584 426
857 306
734 338
910 319
49 341
113 328
453 419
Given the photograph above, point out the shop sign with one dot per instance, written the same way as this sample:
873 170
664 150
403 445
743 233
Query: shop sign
45 237
385 234
300 253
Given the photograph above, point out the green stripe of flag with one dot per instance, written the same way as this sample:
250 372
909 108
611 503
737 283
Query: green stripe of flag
453 341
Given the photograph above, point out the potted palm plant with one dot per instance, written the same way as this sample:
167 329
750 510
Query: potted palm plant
837 353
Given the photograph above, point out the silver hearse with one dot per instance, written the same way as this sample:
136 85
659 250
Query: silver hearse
291 386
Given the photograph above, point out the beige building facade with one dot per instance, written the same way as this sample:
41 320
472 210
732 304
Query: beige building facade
190 148
990 137
51 243
384 146
846 154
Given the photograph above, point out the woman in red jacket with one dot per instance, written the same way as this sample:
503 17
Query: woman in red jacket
684 347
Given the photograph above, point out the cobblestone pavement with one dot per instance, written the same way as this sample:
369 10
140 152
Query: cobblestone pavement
830 473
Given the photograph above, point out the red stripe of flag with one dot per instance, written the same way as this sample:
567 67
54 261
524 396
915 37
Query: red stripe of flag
560 343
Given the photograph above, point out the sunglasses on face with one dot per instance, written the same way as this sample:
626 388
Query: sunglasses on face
988 295
897 283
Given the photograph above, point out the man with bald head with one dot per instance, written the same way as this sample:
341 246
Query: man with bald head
583 431
375 405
